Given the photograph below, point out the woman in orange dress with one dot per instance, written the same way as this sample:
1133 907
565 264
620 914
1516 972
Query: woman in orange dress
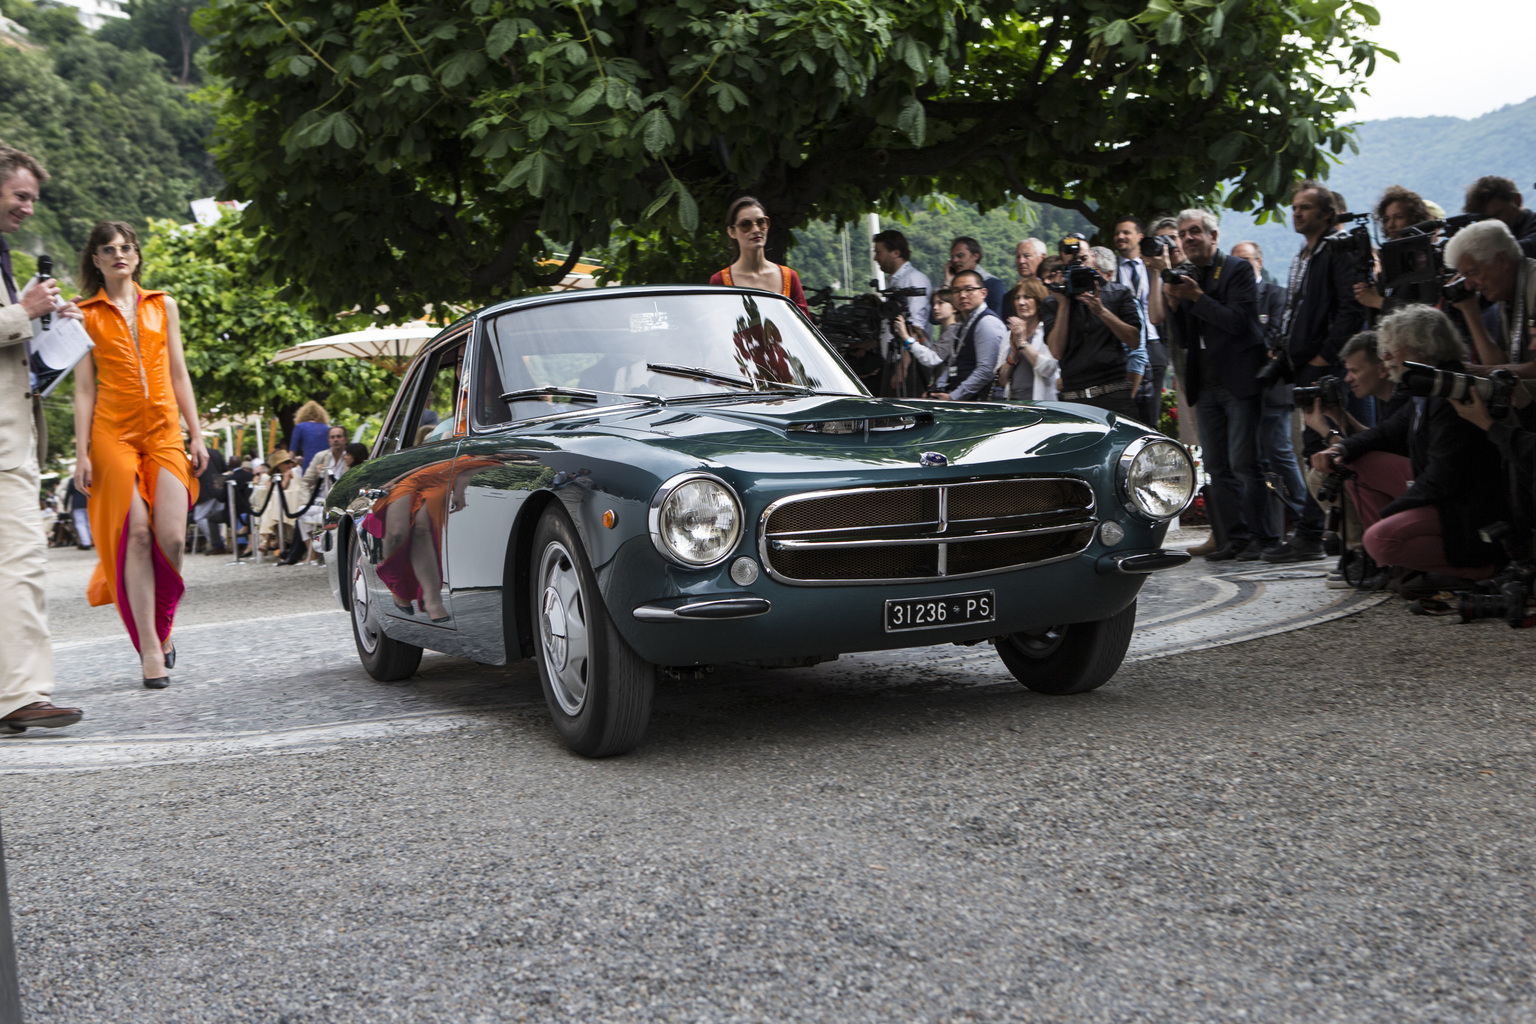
746 225
128 392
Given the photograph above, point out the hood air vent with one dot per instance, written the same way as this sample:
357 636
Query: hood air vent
877 425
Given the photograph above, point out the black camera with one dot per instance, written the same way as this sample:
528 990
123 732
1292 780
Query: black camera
1278 370
1328 493
1329 390
1495 390
1154 245
1355 246
1184 270
1508 604
1457 291
1076 280
1074 248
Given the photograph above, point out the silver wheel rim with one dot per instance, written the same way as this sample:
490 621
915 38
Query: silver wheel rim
563 633
1039 643
367 631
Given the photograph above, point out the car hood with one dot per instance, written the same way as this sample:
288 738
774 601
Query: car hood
753 434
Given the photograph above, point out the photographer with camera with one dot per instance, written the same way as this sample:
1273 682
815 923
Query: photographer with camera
1213 309
1498 198
1457 486
893 255
978 346
965 257
937 350
1397 212
1093 327
1490 261
1321 312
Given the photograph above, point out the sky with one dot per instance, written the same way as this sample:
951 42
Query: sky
1459 58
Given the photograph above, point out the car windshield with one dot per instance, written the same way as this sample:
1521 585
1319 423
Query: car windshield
629 347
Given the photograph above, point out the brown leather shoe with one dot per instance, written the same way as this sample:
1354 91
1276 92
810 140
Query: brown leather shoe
41 714
1205 548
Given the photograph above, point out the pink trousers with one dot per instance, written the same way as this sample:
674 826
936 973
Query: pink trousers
1413 539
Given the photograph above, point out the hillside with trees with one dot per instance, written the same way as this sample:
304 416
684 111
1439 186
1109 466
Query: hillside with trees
120 138
1437 157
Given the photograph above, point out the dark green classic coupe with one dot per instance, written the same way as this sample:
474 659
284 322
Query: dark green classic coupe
623 481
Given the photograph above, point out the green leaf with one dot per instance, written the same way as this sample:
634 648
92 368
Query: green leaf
687 209
1225 149
656 131
1371 15
502 37
661 199
462 65
913 120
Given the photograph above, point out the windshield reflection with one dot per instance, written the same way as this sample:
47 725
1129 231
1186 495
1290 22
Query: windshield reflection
603 346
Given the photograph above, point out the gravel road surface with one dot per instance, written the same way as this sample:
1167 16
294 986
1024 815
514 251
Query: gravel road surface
1332 824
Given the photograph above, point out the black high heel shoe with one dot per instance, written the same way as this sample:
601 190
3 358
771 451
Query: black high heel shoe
159 683
170 657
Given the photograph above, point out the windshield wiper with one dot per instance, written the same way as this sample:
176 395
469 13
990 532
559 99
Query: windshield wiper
574 394
700 373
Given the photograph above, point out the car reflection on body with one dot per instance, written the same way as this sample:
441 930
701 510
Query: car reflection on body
628 481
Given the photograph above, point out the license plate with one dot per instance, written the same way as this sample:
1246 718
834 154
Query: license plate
938 612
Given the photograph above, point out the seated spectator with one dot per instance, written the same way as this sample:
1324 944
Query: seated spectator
1429 524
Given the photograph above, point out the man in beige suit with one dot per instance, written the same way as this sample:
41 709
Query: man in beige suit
26 654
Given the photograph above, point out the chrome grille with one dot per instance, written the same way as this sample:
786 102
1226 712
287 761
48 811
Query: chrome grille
925 532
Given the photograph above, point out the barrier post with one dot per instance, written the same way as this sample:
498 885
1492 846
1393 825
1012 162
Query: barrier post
10 989
234 522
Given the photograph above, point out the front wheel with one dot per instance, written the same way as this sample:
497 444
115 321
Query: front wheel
1074 658
598 689
385 659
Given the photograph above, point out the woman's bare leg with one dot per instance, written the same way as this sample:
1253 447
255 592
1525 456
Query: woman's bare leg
171 523
424 563
139 583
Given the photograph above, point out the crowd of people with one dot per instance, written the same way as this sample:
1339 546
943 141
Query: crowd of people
1169 305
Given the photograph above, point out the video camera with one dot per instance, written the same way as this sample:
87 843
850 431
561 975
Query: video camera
857 322
1077 279
1355 246
1495 390
1417 256
1328 390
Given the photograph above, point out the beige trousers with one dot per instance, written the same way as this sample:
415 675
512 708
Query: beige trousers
26 652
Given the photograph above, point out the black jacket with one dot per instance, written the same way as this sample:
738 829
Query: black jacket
1325 314
1227 318
1455 469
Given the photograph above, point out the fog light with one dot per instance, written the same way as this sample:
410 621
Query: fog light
1111 533
743 572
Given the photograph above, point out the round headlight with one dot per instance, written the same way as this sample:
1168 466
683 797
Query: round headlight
1157 478
695 521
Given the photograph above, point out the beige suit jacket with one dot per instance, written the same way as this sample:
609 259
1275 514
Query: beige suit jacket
18 410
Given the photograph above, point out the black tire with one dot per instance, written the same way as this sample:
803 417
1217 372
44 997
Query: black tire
598 689
1069 659
385 659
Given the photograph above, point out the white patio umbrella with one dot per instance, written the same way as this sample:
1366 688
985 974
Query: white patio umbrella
390 347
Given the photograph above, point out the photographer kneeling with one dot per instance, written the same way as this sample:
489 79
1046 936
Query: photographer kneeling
1458 484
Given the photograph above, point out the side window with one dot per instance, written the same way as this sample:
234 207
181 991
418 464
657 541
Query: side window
435 404
393 430
490 410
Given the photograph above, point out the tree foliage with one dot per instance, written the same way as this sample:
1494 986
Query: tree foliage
163 27
232 325
427 150
119 141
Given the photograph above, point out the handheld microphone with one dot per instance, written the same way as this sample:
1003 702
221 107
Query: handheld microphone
44 273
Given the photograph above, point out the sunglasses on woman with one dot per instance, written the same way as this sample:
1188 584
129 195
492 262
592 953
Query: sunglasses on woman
748 223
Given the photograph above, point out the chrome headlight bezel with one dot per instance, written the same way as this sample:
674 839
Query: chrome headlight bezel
665 493
1131 465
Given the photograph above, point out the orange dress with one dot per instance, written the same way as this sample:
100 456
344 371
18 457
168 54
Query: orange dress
135 433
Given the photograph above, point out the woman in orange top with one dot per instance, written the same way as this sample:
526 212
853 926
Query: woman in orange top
746 225
131 461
